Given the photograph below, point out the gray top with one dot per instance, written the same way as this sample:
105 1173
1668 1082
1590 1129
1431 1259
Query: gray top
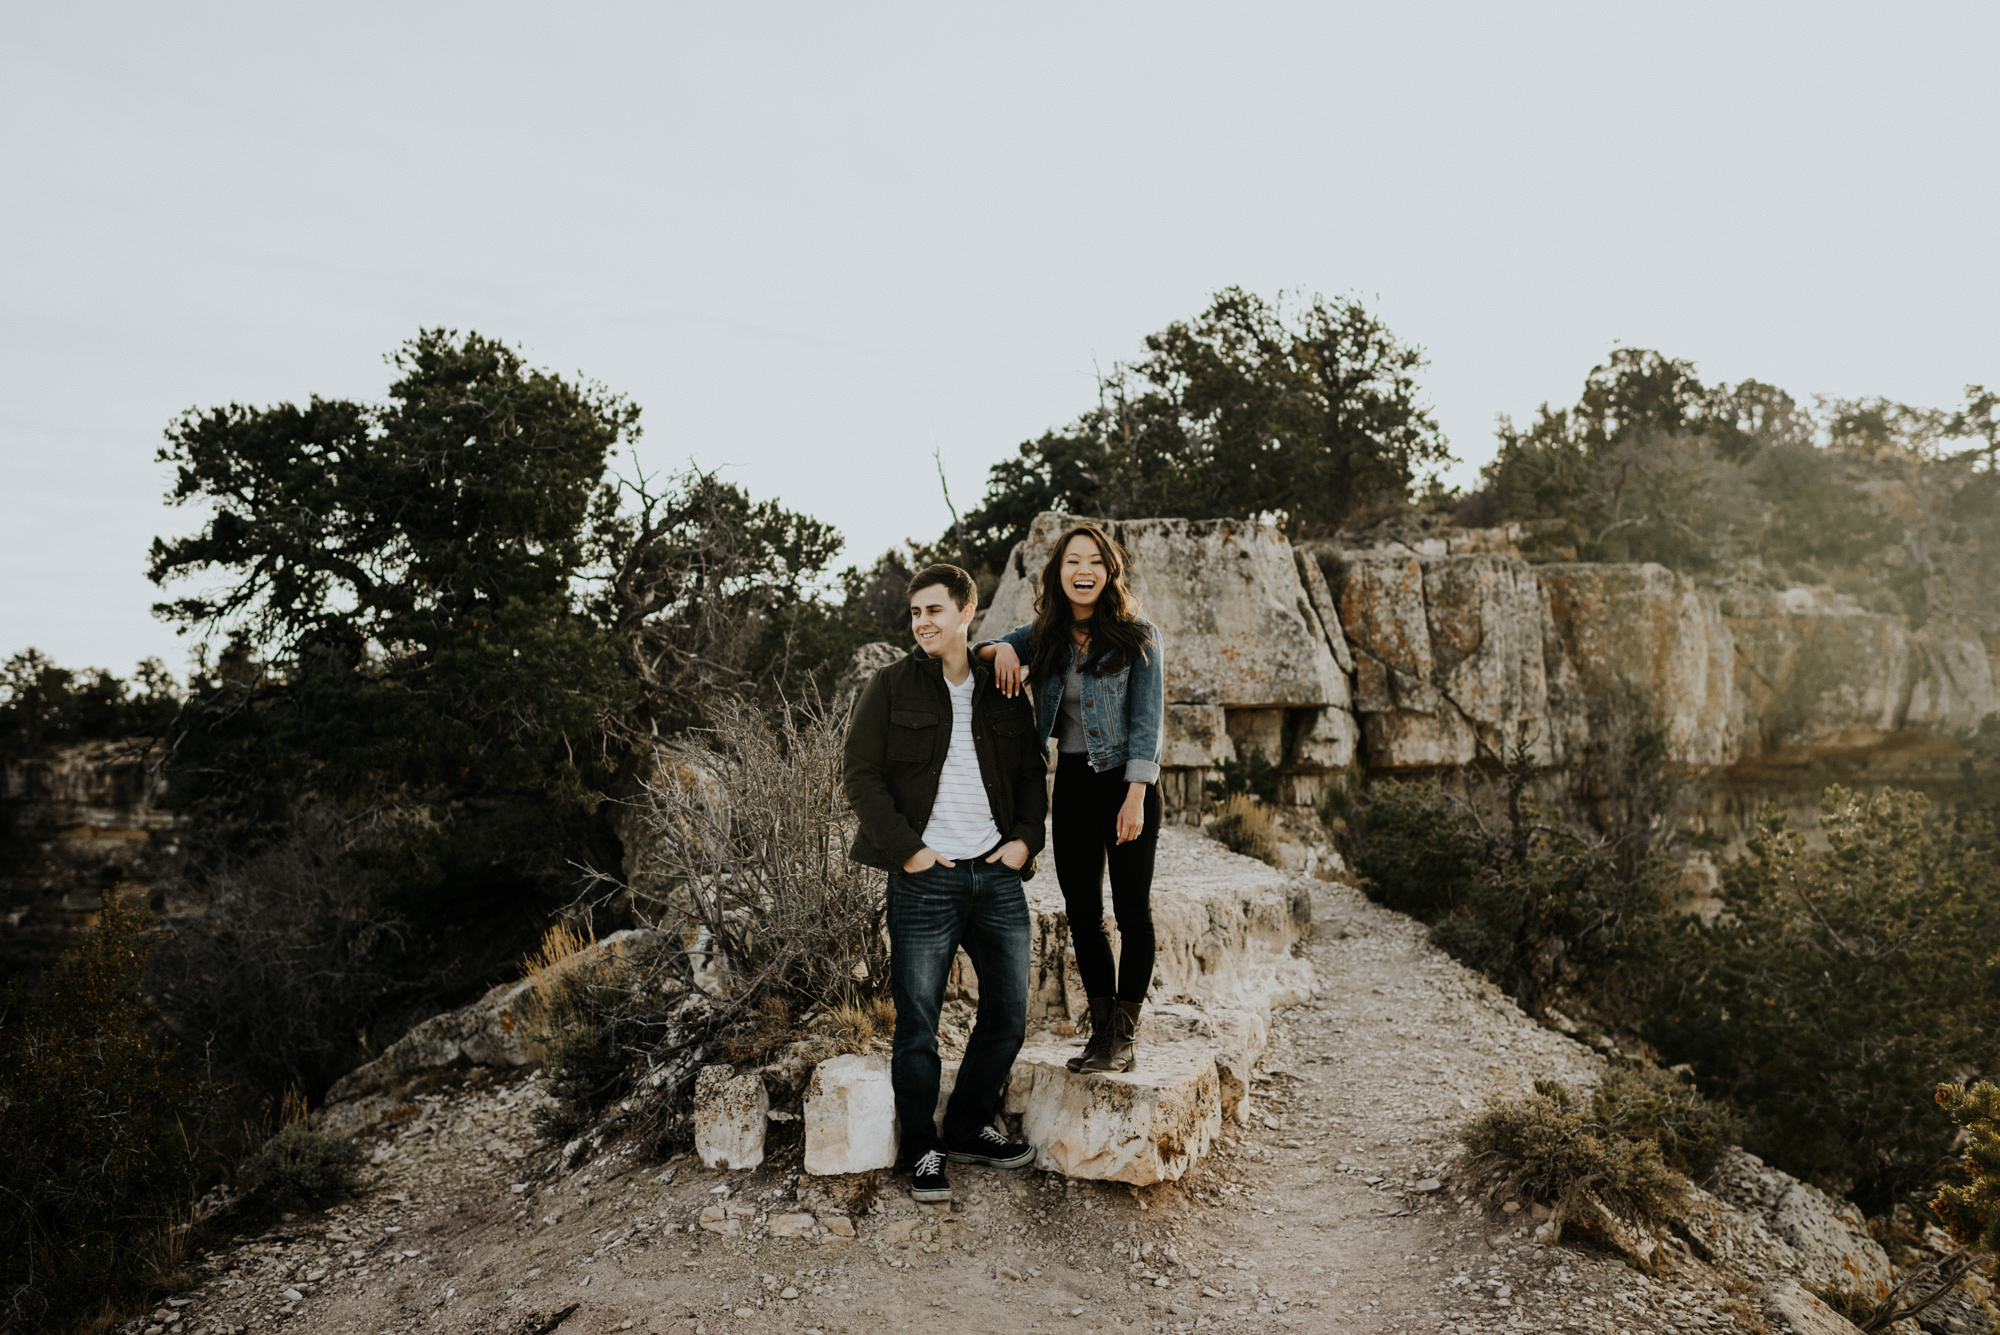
1069 718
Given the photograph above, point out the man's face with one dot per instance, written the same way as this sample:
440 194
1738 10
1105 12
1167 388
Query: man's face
936 621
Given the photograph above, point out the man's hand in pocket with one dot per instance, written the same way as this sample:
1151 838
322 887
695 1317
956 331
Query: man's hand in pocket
1014 853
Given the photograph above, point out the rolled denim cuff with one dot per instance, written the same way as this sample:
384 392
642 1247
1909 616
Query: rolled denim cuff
1142 771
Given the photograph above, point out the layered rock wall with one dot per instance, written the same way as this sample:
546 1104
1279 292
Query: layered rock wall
1328 661
1256 666
75 823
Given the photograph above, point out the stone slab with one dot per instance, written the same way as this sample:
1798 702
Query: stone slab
731 1113
1148 1125
850 1116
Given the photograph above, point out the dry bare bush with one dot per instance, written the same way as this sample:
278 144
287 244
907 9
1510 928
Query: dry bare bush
1244 825
751 834
746 874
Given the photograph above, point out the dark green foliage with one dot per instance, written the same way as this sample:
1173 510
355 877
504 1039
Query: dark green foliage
453 637
299 1168
100 1134
43 706
1256 777
1652 465
1415 850
1971 1208
293 957
1838 984
1663 1106
1541 910
586 1069
1554 1152
1305 413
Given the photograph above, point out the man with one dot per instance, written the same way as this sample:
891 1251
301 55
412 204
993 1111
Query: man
946 776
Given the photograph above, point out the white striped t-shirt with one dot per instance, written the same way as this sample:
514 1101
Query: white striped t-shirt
962 821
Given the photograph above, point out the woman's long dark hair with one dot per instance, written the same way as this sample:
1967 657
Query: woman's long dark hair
1115 636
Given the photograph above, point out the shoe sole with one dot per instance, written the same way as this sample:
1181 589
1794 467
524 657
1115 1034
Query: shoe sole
1129 1066
1017 1161
942 1195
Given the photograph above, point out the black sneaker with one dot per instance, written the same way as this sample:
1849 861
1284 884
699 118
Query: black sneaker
928 1182
994 1150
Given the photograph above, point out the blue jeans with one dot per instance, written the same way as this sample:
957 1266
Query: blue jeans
978 905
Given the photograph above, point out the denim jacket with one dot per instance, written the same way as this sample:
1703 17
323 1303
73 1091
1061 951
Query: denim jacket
1123 713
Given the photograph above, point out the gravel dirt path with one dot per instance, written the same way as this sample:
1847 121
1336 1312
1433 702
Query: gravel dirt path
1339 1208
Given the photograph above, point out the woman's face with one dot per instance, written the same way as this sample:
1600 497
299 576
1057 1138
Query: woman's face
1083 571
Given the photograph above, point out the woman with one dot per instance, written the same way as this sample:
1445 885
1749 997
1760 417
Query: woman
1096 666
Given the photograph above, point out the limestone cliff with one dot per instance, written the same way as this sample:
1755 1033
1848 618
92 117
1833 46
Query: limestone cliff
1330 660
74 823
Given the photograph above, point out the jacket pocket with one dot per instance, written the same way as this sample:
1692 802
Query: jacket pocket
1013 725
912 733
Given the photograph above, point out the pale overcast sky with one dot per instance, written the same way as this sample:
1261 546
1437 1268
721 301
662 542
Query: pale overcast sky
817 242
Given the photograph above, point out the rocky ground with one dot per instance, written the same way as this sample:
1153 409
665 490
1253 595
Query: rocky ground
1340 1207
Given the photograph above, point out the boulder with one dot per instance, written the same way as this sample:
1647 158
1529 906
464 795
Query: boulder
1831 1238
861 667
506 1027
1793 1311
1239 626
1826 1235
1197 737
730 1115
850 1116
1143 1126
727 1220
1644 637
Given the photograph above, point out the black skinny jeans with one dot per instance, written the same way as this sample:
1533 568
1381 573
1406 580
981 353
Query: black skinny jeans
1084 814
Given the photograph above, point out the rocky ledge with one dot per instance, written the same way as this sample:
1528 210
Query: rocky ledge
1228 930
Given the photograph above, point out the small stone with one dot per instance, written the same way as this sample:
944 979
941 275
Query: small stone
746 1311
292 1295
1511 1207
1207 1292
518 1188
1008 1272
789 1293
839 1225
792 1225
1429 1184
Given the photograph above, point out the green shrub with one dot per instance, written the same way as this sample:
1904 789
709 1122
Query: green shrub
1837 984
1416 852
1659 1105
1255 777
100 1134
1971 1209
1555 1152
1541 910
584 1072
299 1168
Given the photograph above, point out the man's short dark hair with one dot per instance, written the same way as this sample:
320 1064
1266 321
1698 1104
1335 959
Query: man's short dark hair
956 583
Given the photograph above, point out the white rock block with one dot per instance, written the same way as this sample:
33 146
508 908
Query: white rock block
851 1116
1148 1125
730 1114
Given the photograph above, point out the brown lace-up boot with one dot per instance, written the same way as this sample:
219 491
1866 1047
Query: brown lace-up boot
1100 1033
1121 1054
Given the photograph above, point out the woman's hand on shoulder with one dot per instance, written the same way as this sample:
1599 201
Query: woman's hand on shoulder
1006 669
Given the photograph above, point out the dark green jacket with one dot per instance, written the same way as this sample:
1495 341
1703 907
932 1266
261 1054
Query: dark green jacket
895 753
